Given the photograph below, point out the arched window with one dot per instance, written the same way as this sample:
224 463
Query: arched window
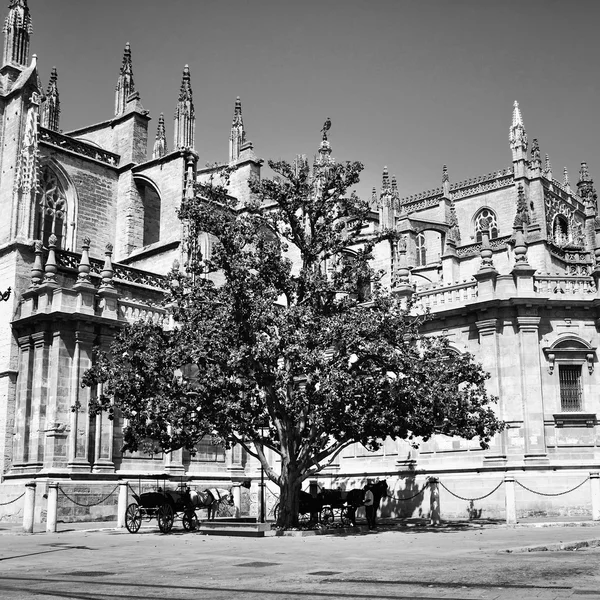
485 220
560 230
51 209
152 211
421 250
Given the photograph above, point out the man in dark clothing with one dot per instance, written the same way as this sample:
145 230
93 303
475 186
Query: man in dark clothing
369 503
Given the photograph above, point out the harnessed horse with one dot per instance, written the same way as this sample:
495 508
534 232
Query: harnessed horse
210 499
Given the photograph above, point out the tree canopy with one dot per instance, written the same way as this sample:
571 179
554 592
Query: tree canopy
283 338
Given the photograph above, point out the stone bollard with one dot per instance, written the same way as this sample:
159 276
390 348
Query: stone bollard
29 507
510 500
236 491
52 513
434 501
122 504
595 485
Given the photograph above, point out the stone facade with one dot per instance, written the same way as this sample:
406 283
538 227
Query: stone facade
506 263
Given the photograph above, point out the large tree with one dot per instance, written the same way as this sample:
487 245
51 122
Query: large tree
278 343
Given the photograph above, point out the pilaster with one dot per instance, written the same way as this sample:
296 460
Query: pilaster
531 386
23 401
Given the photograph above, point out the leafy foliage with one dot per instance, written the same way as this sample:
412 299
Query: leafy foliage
273 346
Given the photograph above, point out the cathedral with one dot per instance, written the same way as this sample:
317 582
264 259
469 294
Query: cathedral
504 262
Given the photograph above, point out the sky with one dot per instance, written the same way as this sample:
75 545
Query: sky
408 84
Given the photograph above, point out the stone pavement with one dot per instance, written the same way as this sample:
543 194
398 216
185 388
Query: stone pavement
399 561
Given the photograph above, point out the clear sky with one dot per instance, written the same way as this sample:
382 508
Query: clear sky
408 84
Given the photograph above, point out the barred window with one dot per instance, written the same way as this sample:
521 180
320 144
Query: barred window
570 388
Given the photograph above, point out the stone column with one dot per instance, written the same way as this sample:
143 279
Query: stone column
434 501
595 488
122 505
531 388
236 490
52 513
29 507
510 500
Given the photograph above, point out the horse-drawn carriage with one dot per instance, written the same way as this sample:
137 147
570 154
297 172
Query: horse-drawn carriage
332 507
167 505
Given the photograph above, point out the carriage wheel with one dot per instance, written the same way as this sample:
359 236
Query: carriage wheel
165 518
327 516
345 517
190 521
133 518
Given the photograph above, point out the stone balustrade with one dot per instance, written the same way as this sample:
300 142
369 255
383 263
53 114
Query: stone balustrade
447 296
551 286
132 311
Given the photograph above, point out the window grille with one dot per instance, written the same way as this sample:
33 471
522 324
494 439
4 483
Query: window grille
421 250
52 209
570 388
486 221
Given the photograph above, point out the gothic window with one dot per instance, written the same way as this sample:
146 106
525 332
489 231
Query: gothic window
485 220
560 231
51 209
421 250
570 388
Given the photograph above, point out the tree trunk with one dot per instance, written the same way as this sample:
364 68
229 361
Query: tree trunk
289 498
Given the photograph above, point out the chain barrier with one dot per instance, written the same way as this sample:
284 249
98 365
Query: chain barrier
471 499
550 494
410 497
91 504
13 500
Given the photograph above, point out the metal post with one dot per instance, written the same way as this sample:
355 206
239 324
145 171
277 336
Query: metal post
29 507
122 504
510 500
595 485
434 501
262 494
52 513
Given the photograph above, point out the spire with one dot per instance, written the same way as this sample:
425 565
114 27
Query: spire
566 183
324 151
160 145
17 32
547 168
522 217
385 180
185 120
50 117
125 86
238 135
536 162
394 187
518 136
445 181
585 187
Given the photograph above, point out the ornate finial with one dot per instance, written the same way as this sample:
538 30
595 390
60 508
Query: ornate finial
185 116
125 85
394 187
454 231
547 168
160 144
326 127
107 270
445 176
522 217
385 180
374 199
50 269
402 278
17 32
445 182
84 264
37 270
237 138
585 188
584 175
486 249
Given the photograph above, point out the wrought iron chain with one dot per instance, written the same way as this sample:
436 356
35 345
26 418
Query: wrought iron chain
410 497
550 494
471 499
88 505
13 500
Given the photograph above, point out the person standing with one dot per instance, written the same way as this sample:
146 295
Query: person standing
369 502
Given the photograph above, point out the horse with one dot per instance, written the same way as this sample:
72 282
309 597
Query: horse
210 499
